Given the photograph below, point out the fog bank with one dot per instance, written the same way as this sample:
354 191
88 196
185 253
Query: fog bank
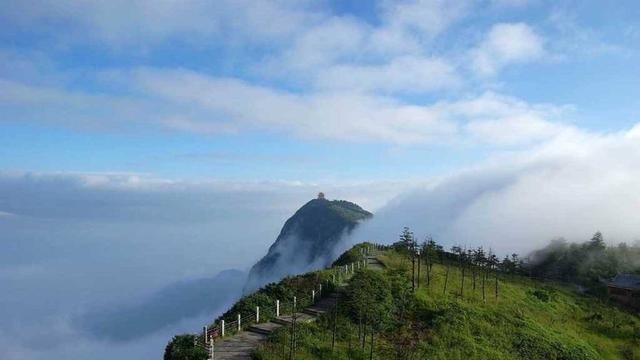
84 253
570 187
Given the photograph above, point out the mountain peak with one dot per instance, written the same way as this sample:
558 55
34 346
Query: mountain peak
307 240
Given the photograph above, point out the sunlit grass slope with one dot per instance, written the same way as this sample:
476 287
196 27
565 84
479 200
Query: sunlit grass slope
529 319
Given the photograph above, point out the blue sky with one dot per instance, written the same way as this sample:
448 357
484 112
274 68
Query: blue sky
148 145
358 90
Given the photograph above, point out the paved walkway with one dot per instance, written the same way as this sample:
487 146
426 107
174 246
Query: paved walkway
241 345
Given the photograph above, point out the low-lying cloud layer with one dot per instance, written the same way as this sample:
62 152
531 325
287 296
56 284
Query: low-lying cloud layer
83 255
570 187
172 304
91 242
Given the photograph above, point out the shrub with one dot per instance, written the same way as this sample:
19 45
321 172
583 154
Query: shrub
541 295
533 342
352 255
182 347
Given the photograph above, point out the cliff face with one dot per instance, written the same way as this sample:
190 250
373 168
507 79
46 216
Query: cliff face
307 240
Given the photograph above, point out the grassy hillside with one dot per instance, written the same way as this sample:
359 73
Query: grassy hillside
528 320
182 346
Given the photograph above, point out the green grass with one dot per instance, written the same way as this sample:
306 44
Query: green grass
529 320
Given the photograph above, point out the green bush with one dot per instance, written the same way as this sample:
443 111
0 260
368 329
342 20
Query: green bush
541 295
299 286
533 342
182 347
352 255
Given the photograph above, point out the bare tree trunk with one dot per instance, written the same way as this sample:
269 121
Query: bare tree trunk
462 282
446 280
418 280
372 344
413 273
364 336
359 327
350 336
292 349
428 271
284 345
335 325
293 340
496 284
484 277
473 275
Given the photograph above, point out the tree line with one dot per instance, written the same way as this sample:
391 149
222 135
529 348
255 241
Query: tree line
477 263
590 264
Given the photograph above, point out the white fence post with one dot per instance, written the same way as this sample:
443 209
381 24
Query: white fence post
222 327
213 349
206 338
277 308
239 323
320 290
313 296
352 268
257 314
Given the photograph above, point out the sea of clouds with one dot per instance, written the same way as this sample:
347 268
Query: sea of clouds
85 253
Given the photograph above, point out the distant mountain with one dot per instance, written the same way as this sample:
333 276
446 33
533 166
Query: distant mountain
309 239
168 306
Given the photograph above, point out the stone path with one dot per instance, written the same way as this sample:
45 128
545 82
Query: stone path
373 263
241 345
238 346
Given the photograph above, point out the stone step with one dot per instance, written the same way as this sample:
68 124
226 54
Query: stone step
282 322
313 312
286 320
264 328
259 330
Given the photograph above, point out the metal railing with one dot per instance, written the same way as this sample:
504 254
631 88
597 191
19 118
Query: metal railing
223 328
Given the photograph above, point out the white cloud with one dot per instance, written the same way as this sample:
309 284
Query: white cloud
517 129
189 101
123 232
572 186
426 17
350 116
504 120
330 41
132 23
72 108
403 74
576 40
142 22
355 76
511 3
504 44
375 57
